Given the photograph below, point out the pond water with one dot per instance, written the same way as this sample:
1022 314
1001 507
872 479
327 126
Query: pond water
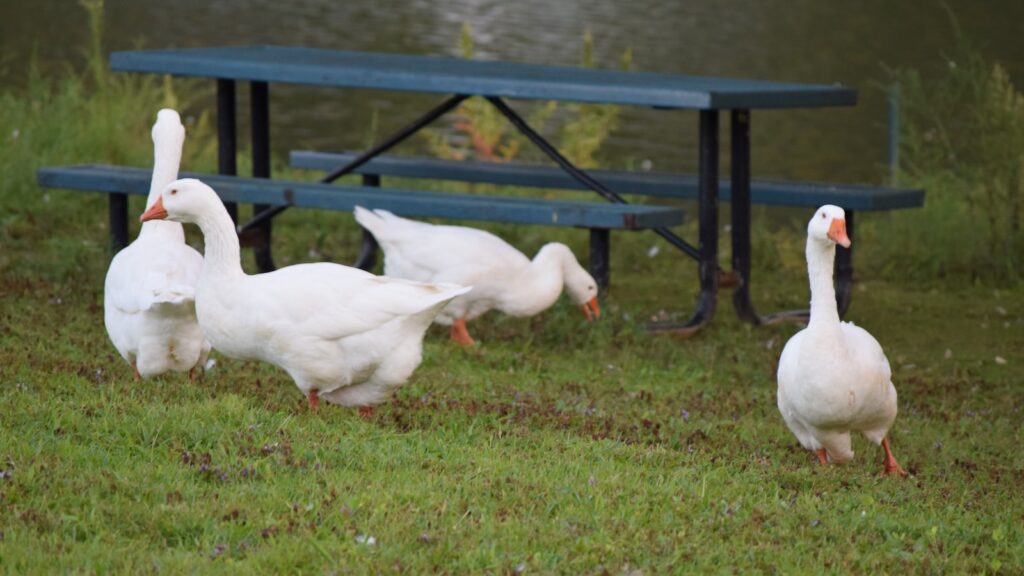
791 40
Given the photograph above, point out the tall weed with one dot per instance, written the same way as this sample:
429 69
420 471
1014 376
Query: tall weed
962 139
482 133
75 117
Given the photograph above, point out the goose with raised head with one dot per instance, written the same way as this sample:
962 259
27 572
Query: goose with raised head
834 378
342 334
149 292
502 277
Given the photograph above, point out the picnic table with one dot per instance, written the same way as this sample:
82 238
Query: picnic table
497 82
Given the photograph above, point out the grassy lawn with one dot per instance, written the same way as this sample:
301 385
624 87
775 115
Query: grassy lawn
554 447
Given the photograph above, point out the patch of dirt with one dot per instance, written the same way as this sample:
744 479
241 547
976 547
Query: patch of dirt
419 413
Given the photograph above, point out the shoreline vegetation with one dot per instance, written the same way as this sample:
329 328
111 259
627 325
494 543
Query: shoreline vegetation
556 446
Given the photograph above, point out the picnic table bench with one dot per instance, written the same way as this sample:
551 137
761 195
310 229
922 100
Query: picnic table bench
494 81
852 197
120 181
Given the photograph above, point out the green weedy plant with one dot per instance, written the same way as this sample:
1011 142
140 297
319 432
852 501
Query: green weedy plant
589 125
97 67
962 139
78 117
484 134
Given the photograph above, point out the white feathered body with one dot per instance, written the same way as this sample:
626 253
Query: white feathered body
833 377
833 384
351 336
149 306
149 291
500 275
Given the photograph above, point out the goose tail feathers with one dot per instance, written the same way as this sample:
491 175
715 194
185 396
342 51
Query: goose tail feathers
377 221
445 293
173 294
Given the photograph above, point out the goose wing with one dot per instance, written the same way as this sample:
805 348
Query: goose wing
331 301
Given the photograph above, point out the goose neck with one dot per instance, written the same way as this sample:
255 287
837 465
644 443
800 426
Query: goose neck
539 285
820 261
222 254
166 162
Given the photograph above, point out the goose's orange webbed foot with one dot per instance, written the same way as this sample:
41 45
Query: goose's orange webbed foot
891 466
460 334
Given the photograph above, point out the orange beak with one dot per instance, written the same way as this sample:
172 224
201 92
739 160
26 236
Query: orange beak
155 212
837 233
592 310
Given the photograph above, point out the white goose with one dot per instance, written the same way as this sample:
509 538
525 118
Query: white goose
834 378
502 277
342 334
149 292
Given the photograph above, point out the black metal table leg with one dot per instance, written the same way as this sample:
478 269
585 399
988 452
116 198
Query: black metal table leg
844 269
118 211
740 162
226 136
741 250
600 257
708 262
740 150
259 105
367 258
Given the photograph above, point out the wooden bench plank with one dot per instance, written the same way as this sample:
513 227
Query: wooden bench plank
459 76
127 180
658 184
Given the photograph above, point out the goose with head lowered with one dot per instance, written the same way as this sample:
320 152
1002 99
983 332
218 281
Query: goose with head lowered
502 277
149 292
834 379
342 334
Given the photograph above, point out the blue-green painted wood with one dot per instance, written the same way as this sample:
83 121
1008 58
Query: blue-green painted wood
660 184
125 180
474 77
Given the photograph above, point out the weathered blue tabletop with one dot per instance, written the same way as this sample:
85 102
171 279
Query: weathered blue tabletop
453 76
495 81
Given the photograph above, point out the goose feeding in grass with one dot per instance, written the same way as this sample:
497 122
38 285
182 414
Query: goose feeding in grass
834 379
342 334
502 277
149 292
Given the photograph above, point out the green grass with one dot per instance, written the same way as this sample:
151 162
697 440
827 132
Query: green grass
554 447
557 446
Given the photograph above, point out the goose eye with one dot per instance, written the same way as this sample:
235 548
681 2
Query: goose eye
822 215
173 192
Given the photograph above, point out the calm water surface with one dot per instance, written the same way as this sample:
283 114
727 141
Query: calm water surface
793 40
